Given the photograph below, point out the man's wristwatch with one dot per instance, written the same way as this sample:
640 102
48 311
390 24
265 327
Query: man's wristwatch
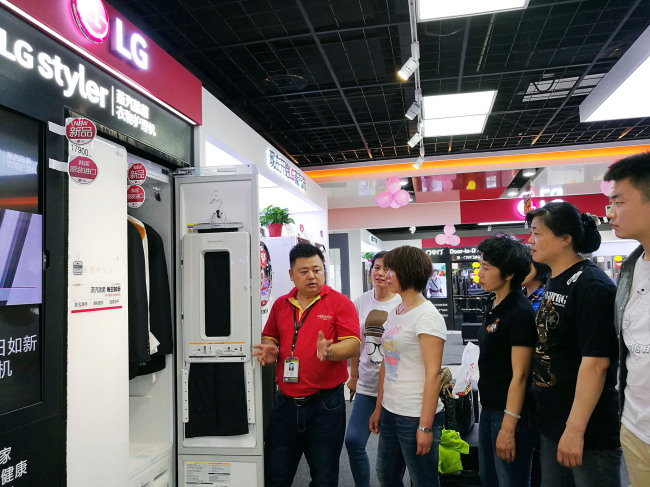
425 429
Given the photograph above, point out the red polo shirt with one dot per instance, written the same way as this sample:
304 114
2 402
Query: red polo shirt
333 314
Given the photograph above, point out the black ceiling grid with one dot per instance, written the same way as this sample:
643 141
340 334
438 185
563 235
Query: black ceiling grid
262 59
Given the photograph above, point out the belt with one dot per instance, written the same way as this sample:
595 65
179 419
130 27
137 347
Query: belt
303 400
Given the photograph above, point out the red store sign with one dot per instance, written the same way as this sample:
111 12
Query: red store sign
123 51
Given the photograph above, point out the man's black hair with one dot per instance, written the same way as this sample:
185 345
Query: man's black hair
636 168
304 250
508 255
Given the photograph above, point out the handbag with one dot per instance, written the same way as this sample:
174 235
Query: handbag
459 412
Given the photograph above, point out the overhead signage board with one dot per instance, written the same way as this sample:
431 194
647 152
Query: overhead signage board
40 64
101 34
286 170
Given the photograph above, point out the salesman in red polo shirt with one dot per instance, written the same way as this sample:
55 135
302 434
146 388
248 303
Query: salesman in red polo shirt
311 332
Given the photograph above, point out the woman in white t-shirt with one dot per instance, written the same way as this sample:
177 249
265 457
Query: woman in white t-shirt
373 307
408 411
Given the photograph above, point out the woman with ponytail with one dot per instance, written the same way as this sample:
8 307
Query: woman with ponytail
576 357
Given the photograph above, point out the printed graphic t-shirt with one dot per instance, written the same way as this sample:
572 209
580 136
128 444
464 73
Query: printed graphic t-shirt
403 363
636 335
575 320
372 315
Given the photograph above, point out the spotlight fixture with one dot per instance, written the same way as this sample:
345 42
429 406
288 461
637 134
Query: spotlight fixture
417 137
418 162
408 69
412 229
413 111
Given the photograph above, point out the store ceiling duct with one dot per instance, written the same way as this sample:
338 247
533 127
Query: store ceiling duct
463 113
622 93
437 9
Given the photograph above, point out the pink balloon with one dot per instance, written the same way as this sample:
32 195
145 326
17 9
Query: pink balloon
449 229
384 199
441 239
393 185
447 185
606 187
402 197
454 240
394 204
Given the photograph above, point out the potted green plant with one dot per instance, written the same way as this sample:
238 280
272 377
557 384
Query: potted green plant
273 217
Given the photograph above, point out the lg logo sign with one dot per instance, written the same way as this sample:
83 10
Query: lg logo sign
92 19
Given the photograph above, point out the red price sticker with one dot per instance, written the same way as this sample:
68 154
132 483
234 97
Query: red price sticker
80 131
137 173
134 196
82 170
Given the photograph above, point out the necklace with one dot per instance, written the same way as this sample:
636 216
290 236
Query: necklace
402 308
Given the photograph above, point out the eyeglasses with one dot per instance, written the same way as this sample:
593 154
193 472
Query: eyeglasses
371 347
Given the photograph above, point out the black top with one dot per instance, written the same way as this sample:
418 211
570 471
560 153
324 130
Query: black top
511 323
575 320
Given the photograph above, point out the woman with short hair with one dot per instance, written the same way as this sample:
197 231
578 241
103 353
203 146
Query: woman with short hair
507 339
408 410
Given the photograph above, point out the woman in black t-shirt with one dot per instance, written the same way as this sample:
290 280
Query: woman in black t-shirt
507 340
576 357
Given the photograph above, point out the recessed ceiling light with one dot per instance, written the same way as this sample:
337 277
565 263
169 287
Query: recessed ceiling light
513 192
529 173
458 105
438 9
441 127
621 93
462 113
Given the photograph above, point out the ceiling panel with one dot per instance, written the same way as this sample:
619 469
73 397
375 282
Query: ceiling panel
317 79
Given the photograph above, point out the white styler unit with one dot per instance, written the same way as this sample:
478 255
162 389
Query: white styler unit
217 297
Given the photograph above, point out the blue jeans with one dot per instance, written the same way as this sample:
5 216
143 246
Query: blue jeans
356 437
397 447
494 471
315 429
599 467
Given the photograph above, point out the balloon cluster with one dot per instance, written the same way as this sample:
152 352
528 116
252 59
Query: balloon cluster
394 196
448 237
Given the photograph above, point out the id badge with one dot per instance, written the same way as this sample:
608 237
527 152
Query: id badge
290 370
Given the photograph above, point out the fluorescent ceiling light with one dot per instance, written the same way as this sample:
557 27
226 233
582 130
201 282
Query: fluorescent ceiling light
486 224
459 105
622 93
443 127
462 113
438 9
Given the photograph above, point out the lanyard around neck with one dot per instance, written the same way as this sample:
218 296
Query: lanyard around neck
297 326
